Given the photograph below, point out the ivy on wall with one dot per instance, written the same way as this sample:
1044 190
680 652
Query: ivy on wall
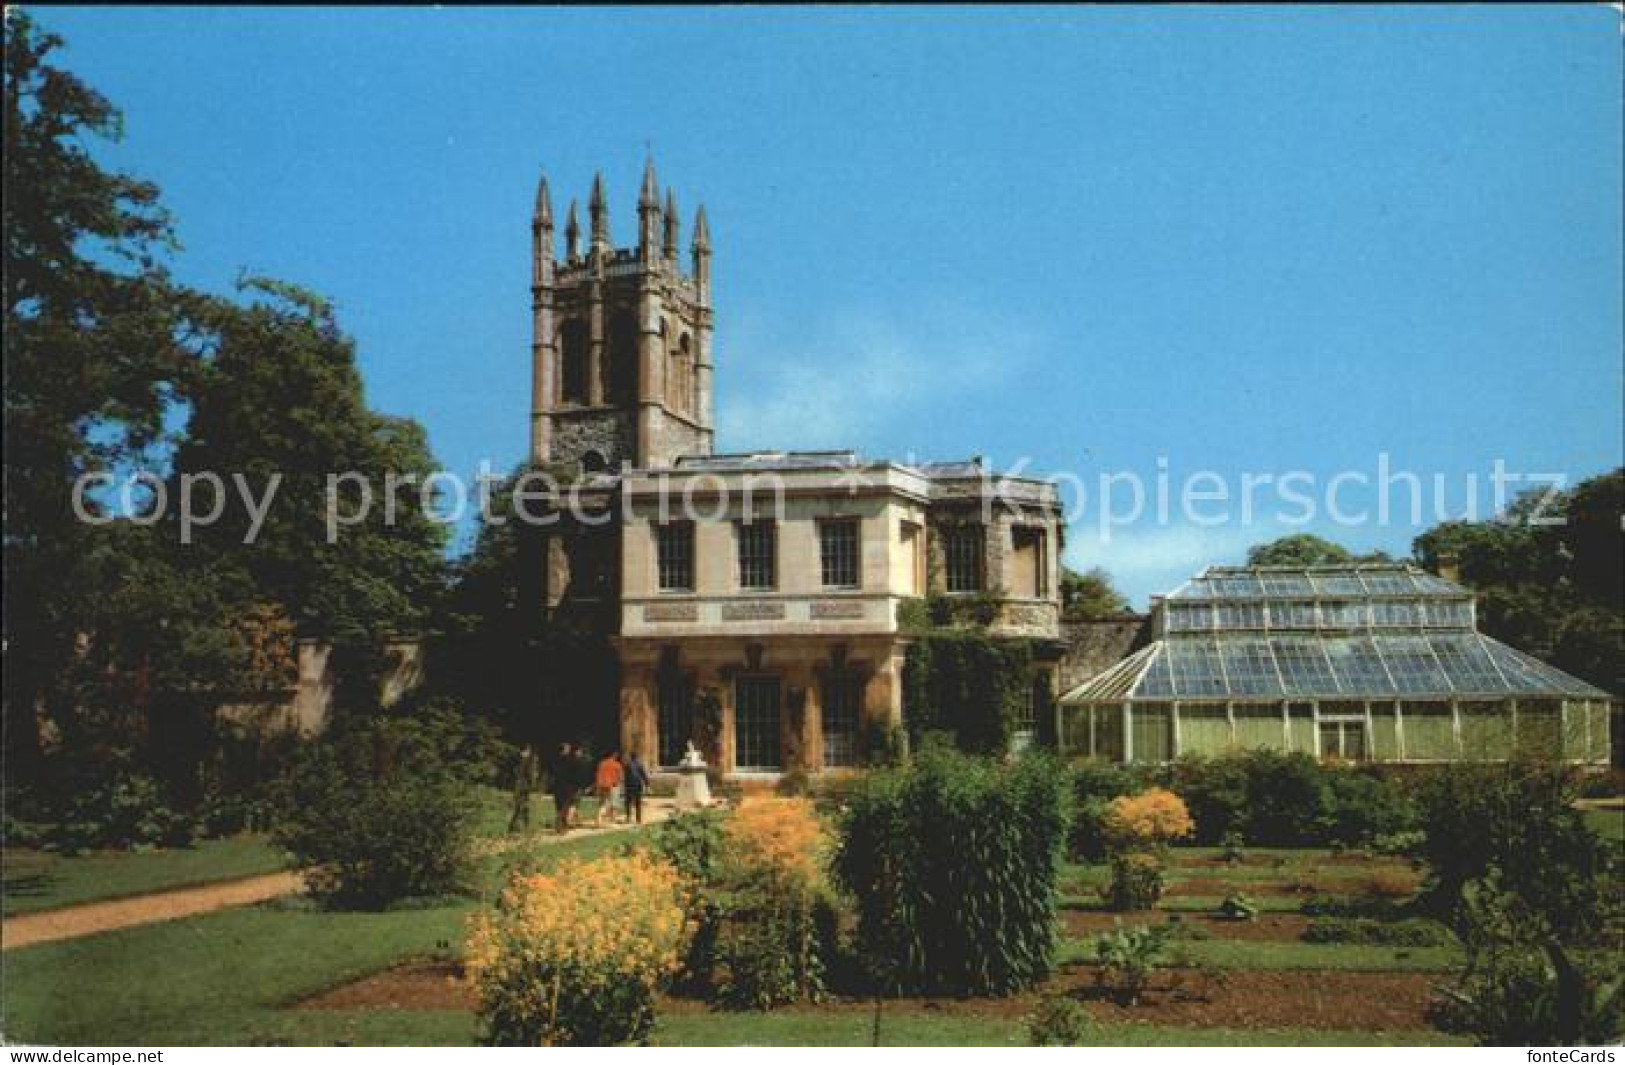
968 684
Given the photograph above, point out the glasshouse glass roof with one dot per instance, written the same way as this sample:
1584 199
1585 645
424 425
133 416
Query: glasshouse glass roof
1323 633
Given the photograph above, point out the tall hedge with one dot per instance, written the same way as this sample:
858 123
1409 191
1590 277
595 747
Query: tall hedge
969 684
952 863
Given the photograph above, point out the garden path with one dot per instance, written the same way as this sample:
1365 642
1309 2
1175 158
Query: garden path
71 922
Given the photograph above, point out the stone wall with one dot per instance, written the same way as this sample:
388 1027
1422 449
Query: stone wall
1092 647
610 433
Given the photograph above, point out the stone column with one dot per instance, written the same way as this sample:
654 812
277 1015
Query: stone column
639 712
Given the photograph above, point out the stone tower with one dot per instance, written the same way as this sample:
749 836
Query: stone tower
621 355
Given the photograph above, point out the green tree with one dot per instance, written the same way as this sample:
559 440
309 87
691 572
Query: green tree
1091 595
95 349
346 546
1306 549
1548 573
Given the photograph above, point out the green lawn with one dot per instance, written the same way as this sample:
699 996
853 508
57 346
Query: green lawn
36 880
222 978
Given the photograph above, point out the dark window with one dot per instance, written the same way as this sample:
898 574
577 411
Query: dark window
838 553
674 545
962 557
843 695
756 723
676 717
623 360
758 543
573 341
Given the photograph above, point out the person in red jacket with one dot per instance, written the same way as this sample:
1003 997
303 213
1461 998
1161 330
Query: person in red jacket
606 785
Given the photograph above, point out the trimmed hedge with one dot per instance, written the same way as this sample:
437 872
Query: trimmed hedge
952 863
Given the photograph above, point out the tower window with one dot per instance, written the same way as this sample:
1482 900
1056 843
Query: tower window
838 552
573 341
623 360
688 394
758 551
674 548
962 556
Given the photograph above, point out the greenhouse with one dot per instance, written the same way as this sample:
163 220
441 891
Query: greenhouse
1369 662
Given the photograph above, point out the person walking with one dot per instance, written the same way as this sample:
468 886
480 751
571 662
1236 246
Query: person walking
607 786
524 783
564 780
635 781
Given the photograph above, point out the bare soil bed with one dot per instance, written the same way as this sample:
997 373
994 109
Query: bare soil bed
1235 999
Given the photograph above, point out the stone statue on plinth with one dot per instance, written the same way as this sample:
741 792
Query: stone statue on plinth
693 790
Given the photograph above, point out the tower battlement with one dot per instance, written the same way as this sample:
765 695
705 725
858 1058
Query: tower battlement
621 337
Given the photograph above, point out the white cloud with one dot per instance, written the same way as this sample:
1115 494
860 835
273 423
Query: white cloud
842 386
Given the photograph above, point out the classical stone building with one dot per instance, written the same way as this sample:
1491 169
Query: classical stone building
752 600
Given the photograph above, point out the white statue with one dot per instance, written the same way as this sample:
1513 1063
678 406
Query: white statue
693 790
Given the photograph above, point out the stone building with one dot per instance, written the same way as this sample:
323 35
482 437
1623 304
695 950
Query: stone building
751 600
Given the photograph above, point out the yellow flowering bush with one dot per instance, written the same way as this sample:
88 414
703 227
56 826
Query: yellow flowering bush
1150 820
764 918
780 837
573 957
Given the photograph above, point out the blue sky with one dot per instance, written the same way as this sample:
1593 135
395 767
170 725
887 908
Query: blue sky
1241 241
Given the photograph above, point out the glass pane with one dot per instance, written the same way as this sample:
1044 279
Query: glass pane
1250 667
838 714
1411 663
1359 671
756 723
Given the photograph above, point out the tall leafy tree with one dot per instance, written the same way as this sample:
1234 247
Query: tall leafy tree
1548 573
95 348
341 536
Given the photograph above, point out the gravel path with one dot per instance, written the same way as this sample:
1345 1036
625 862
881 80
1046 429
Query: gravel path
87 919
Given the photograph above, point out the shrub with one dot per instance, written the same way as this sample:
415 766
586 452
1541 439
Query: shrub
1362 808
1382 909
126 809
1517 821
771 949
1094 786
774 923
1060 1021
780 838
1148 821
369 828
1287 799
1409 932
574 957
1521 987
1137 882
1215 792
1126 957
692 843
951 861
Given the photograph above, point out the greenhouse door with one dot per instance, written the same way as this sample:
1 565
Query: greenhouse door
1343 738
